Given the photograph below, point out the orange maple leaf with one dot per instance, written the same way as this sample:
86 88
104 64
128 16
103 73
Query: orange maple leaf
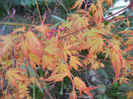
80 85
14 75
116 60
5 44
129 95
74 62
61 68
109 2
49 61
57 77
78 4
92 8
45 29
73 95
34 60
30 43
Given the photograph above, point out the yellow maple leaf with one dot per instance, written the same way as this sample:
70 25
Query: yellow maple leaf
117 61
129 95
110 2
74 62
34 60
51 49
73 95
56 77
30 43
33 41
21 29
92 8
6 43
61 68
81 86
78 4
14 75
45 29
49 61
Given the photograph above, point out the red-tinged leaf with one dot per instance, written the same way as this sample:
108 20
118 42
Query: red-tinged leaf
21 29
78 4
34 60
1 83
87 91
123 80
74 62
62 68
66 50
128 48
45 29
129 95
57 77
117 61
33 41
52 49
30 43
49 61
92 8
110 2
80 85
24 47
14 75
5 44
73 95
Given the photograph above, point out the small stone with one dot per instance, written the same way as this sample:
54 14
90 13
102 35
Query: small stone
92 73
93 79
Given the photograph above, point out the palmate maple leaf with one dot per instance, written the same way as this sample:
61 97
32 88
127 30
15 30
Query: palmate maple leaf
14 74
56 77
22 91
117 61
30 43
45 29
78 4
5 43
79 21
49 62
74 62
51 49
61 68
129 95
80 85
94 44
110 2
92 8
59 73
34 60
73 95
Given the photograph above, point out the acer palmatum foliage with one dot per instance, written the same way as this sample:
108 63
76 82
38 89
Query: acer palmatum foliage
50 51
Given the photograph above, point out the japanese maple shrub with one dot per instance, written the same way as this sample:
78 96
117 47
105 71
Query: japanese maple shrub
56 52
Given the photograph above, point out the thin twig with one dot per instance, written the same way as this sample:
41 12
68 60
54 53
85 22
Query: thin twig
118 19
115 13
16 24
42 85
45 3
37 6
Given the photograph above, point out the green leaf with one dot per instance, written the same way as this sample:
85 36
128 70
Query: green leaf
58 18
102 72
61 91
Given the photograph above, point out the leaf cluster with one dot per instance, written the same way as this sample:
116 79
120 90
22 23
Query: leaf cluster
56 51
